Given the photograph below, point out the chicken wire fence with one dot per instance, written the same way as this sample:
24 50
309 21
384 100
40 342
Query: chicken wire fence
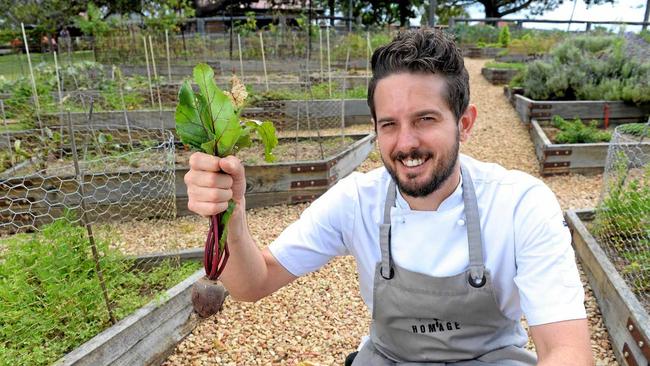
68 201
622 223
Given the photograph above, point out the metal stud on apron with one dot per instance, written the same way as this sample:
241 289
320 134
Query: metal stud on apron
424 320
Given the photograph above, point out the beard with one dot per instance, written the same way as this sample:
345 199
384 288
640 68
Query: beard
443 169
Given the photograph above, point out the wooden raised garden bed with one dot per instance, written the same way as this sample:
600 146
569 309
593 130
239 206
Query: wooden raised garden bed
498 76
37 200
569 158
585 109
510 93
294 182
482 52
283 113
626 319
146 337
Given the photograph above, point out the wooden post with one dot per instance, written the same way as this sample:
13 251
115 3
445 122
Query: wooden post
169 66
329 62
120 85
347 60
4 122
31 74
369 55
266 77
646 16
146 58
241 59
60 93
155 77
89 230
320 51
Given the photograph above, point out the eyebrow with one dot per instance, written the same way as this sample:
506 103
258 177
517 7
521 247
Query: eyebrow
413 115
425 112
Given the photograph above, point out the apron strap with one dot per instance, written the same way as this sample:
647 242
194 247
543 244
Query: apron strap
386 269
476 266
475 243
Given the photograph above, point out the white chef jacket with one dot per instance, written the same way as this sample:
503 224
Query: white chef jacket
526 242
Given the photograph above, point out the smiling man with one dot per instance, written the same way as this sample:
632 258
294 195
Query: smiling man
450 251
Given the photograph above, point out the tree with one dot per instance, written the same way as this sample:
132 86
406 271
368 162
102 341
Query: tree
166 14
500 8
42 17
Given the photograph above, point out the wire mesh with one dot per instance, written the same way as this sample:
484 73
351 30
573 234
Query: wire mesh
66 272
623 216
69 235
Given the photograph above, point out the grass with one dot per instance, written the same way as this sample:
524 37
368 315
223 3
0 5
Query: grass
50 298
505 65
12 66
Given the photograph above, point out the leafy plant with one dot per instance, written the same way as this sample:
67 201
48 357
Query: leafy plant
576 132
504 36
50 297
636 129
589 68
210 121
623 218
505 65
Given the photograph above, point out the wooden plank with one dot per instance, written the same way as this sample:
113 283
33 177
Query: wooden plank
145 336
498 76
581 158
615 299
583 109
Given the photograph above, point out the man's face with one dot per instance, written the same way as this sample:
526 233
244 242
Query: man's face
417 132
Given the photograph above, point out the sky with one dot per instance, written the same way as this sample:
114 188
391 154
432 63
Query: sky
621 10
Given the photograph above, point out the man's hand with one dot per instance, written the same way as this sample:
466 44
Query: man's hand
212 182
563 343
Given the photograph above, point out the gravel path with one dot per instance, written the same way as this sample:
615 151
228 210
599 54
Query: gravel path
320 318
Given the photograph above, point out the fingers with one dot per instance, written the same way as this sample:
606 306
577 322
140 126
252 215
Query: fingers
208 179
202 194
206 208
212 182
204 162
231 165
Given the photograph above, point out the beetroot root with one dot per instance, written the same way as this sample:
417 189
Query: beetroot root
208 297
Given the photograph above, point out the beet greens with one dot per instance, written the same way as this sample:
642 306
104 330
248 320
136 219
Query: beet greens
210 121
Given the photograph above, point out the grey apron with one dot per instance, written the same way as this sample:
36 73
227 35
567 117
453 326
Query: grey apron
419 319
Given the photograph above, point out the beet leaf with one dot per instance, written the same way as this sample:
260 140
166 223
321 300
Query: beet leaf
210 121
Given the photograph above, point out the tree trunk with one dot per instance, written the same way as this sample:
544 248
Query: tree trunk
491 11
330 5
403 12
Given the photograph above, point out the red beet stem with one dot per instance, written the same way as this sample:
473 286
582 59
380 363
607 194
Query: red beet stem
214 260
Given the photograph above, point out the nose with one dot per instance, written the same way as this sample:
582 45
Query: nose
407 139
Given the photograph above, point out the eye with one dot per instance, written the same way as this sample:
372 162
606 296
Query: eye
426 118
386 124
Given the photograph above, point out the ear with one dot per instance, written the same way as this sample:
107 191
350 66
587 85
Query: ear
466 122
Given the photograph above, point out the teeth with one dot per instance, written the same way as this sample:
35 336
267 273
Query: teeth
412 162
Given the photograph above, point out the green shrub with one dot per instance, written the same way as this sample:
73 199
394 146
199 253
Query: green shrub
576 132
50 298
645 34
635 129
623 220
504 36
589 68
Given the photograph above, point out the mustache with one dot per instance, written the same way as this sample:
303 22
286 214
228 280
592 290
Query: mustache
413 154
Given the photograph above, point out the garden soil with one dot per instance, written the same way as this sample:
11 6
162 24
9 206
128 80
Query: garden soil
320 318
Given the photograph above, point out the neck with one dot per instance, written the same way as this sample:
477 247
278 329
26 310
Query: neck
435 198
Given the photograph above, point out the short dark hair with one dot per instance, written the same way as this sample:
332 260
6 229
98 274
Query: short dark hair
423 51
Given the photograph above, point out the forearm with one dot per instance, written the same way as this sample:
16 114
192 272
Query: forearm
567 356
246 271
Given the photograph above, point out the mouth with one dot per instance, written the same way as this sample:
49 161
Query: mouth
412 163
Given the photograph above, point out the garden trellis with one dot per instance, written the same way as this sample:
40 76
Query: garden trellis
623 216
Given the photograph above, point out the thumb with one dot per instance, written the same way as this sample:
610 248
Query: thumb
232 166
